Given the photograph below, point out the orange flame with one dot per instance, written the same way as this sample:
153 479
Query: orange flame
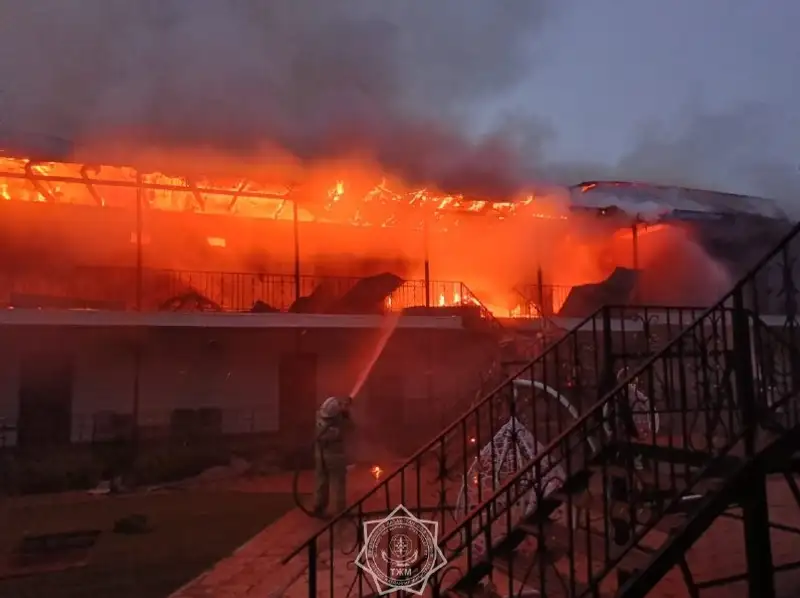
363 197
24 179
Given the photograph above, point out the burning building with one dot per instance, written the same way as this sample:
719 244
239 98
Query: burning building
106 254
81 235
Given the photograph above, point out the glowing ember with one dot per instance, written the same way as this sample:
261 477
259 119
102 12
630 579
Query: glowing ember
449 227
375 205
376 472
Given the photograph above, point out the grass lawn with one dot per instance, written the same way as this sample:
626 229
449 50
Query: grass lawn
191 531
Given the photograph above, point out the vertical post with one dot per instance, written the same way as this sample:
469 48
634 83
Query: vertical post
635 248
139 201
608 377
543 311
137 349
296 227
758 547
312 568
137 368
426 248
622 425
743 364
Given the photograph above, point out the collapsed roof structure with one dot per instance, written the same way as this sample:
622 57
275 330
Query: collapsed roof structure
536 238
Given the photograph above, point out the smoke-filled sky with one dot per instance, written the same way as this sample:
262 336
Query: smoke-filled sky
482 95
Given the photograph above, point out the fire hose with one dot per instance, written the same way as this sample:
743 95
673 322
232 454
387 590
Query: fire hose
298 470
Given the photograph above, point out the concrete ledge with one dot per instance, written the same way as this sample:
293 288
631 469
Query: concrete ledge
57 317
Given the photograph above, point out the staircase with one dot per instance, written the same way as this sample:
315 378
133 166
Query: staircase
546 397
686 435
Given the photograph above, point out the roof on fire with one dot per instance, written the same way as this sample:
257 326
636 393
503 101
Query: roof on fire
658 201
637 199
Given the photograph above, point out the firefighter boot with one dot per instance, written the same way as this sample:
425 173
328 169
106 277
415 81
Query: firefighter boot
337 468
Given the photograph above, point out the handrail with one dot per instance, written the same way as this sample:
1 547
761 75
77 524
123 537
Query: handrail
432 443
752 272
489 511
597 409
465 290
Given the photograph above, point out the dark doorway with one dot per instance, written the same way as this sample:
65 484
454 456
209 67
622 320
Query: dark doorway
297 400
45 401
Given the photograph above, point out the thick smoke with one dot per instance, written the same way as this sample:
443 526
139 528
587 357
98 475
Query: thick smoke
400 82
397 80
747 150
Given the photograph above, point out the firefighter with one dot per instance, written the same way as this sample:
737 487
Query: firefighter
333 423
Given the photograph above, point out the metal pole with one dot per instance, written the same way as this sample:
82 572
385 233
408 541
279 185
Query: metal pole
137 368
540 288
137 350
426 249
296 226
635 247
760 567
139 198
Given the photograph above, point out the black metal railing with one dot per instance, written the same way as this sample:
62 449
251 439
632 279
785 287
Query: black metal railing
162 289
545 397
654 456
541 300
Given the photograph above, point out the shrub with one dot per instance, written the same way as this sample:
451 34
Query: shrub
172 463
53 472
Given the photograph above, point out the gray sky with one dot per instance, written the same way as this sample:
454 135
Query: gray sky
604 67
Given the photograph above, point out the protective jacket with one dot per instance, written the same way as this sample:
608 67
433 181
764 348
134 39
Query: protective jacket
330 461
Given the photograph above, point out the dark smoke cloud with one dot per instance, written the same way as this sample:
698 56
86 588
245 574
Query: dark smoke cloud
321 78
747 150
317 77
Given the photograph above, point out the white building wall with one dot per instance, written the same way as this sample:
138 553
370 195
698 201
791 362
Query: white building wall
230 370
103 374
237 371
178 369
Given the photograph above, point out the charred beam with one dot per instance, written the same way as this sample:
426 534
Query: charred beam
198 197
144 185
89 185
236 194
37 181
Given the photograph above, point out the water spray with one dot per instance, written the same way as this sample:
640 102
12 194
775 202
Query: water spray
387 330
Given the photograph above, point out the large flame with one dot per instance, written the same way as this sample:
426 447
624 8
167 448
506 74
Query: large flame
487 246
381 204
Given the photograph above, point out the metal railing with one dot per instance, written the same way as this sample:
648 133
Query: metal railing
548 395
116 288
539 300
689 430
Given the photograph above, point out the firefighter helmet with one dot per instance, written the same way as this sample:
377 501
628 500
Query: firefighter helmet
334 407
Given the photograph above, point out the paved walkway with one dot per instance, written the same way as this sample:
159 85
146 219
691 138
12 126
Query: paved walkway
255 570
